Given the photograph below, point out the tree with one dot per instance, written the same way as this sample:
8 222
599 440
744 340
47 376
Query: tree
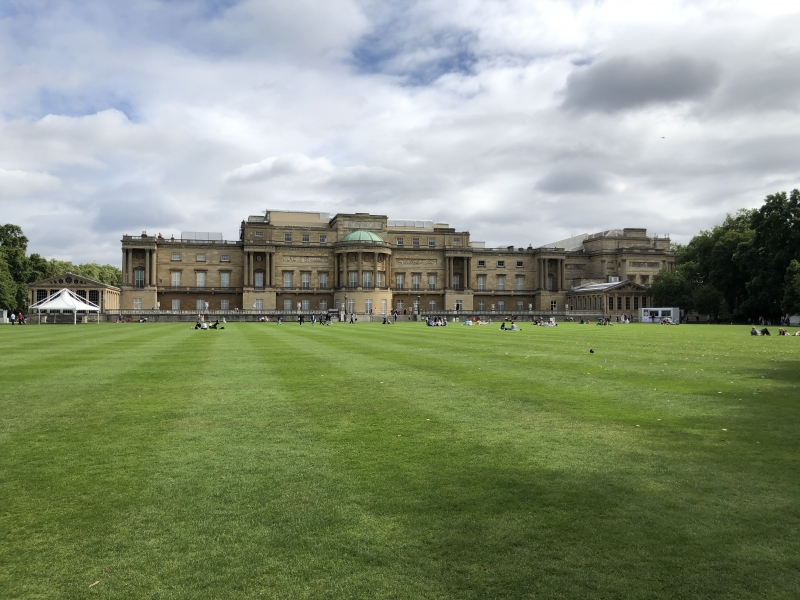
708 300
776 242
13 245
791 292
671 289
8 287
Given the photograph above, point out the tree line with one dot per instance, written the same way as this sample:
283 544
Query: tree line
748 266
18 269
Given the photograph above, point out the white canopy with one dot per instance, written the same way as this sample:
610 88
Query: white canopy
66 300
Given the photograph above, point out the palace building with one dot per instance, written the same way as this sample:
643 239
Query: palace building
363 263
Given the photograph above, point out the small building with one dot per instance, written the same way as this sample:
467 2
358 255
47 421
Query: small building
102 294
609 298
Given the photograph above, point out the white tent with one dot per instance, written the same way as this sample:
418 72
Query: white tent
66 300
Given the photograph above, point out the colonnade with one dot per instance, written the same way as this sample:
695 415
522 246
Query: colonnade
150 271
559 282
250 268
449 272
342 267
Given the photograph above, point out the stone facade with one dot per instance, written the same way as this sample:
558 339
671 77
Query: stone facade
313 262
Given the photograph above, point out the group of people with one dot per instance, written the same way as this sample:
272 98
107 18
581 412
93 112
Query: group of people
19 318
436 322
512 327
781 331
202 325
477 321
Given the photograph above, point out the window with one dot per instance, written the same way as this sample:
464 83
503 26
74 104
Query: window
323 305
259 234
501 282
501 306
520 282
201 258
619 302
481 305
627 302
416 279
176 256
287 305
553 304
176 304
432 242
399 241
323 239
636 303
287 237
259 280
520 306
201 279
224 304
139 278
431 305
225 258
305 280
415 304
481 263
379 281
306 238
519 264
456 282
415 241
368 306
431 282
401 281
353 278
137 304
175 278
367 279
94 297
481 282
305 304
457 240
501 264
224 280
383 306
351 305
400 305
287 280
323 281
41 295
644 302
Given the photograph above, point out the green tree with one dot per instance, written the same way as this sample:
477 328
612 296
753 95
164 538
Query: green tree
776 243
791 292
8 287
708 300
672 289
13 245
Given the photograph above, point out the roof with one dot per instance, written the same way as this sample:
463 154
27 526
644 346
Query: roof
606 286
69 278
363 236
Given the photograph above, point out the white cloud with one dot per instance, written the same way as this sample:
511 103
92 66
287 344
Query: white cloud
171 116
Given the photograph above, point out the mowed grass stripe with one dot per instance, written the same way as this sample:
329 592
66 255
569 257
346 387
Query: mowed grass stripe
260 480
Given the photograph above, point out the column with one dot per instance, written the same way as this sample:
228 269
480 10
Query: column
446 282
374 268
153 267
467 272
147 267
388 269
124 266
563 274
270 263
130 266
360 281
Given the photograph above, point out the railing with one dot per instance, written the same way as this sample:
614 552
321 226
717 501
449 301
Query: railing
182 288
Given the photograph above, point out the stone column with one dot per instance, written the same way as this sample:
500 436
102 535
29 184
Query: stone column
388 269
374 269
467 272
563 274
130 266
147 267
360 281
124 266
270 266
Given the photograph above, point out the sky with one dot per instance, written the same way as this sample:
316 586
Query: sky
523 122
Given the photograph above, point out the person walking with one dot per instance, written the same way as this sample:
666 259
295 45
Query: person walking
351 318
13 317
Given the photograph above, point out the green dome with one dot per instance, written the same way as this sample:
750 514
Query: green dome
363 236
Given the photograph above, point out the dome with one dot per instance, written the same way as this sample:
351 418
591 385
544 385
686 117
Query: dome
363 237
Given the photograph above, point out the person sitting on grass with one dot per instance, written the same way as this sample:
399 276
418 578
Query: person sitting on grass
503 326
765 331
754 331
514 326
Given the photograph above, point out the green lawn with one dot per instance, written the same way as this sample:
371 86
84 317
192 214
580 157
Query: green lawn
365 461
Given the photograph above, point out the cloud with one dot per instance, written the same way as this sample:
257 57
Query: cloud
289 165
19 184
627 82
573 180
